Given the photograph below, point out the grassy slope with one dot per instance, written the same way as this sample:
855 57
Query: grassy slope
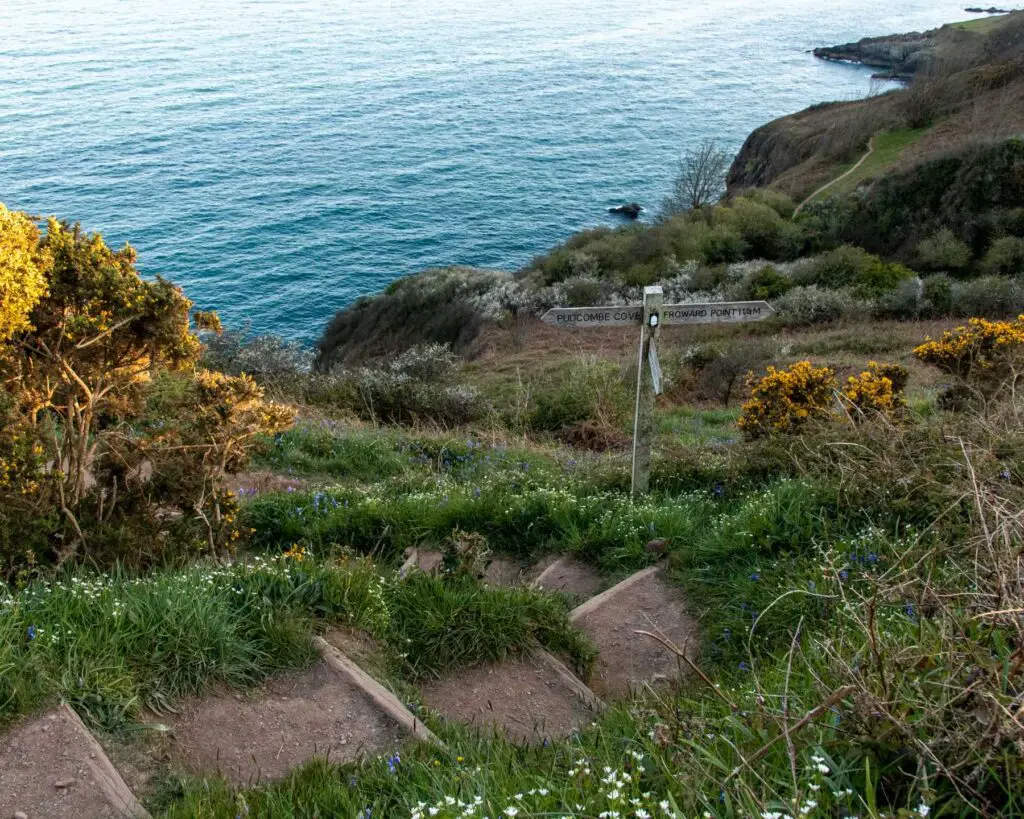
888 148
745 540
981 25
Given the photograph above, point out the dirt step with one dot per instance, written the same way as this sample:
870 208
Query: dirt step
645 601
264 734
52 766
501 571
571 576
532 700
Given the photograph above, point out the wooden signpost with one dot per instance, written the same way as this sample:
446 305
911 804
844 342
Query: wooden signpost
651 315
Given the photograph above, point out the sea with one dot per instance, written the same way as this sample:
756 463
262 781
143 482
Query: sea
280 158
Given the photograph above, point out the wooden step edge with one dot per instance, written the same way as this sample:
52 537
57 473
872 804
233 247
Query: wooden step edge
107 776
578 687
586 608
385 700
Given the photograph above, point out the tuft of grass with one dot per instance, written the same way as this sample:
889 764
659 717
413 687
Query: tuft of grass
112 644
441 624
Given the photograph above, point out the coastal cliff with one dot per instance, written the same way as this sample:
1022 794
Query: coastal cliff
965 86
900 55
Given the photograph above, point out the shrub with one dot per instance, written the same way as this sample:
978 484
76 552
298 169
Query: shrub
981 353
280 366
905 302
719 245
993 296
937 295
1005 257
582 292
765 283
417 387
785 400
944 251
717 372
433 307
99 379
853 267
877 390
804 306
591 391
776 200
23 262
766 234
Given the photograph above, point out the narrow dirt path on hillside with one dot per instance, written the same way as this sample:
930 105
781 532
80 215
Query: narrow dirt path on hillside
840 178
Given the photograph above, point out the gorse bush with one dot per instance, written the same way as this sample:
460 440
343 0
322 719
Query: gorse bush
786 400
878 390
87 346
982 356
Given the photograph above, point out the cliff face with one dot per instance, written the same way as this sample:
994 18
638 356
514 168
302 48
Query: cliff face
899 55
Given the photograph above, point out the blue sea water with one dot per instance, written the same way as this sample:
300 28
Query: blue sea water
279 158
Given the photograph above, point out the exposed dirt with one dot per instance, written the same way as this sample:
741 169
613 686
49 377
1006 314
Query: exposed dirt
627 660
570 576
257 482
527 699
49 768
262 735
504 572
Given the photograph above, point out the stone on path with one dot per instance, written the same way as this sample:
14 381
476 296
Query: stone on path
262 735
531 699
645 601
50 766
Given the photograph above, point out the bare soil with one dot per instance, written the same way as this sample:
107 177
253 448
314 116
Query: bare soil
504 572
257 482
50 767
570 576
262 735
627 660
525 699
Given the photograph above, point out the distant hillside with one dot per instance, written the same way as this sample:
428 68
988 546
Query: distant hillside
966 86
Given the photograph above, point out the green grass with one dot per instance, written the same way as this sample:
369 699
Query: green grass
982 25
689 426
112 645
887 149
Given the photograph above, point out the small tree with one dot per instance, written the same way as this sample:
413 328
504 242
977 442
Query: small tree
700 180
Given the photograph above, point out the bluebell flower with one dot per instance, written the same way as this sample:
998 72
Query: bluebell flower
844 575
811 585
718 490
744 666
393 762
31 632
872 558
909 610
1005 474
755 577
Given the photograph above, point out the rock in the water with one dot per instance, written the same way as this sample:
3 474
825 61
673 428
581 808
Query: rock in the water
630 211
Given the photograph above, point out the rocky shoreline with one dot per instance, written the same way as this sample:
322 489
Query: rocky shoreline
899 55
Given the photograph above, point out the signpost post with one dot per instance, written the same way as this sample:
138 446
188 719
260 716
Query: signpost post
651 315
